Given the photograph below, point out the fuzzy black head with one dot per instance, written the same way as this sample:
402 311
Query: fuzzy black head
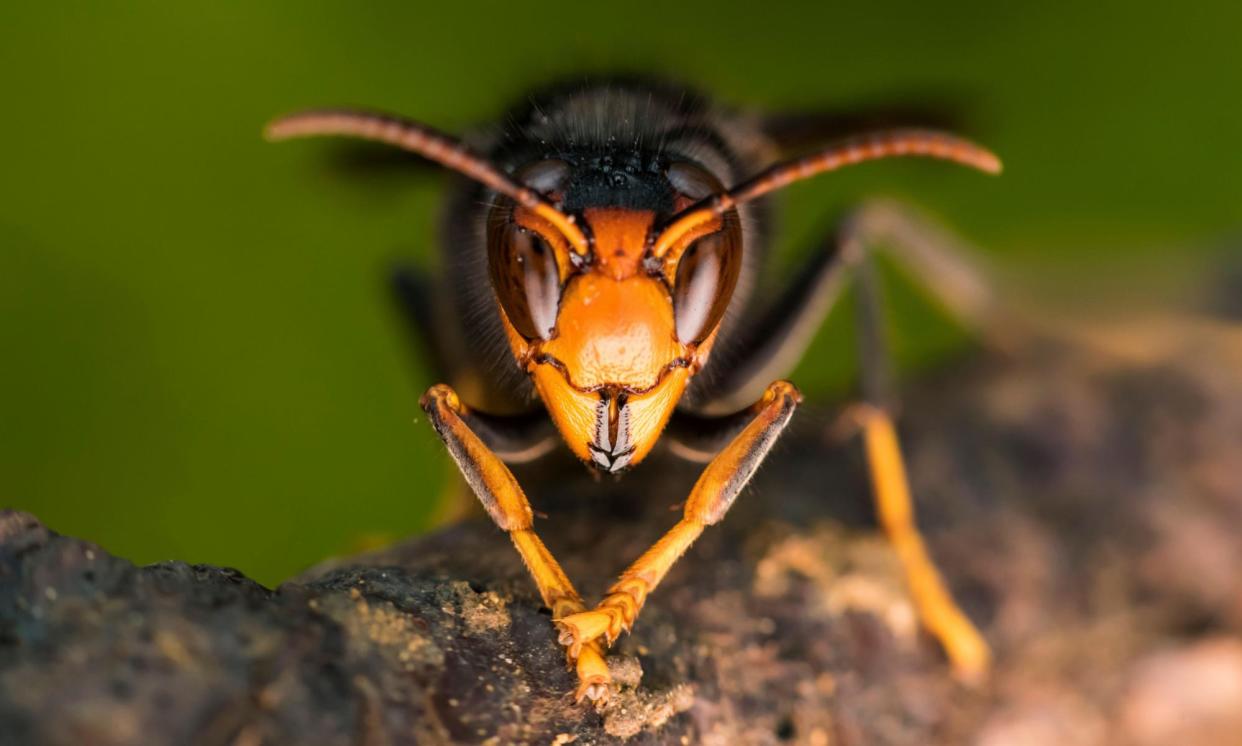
618 138
631 180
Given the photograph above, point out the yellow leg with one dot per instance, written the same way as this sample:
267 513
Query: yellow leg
506 503
718 486
966 648
559 595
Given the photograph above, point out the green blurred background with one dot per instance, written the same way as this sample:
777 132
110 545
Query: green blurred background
198 357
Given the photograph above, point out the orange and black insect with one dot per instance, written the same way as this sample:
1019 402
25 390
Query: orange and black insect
611 233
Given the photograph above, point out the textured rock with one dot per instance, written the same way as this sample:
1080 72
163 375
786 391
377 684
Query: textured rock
1086 508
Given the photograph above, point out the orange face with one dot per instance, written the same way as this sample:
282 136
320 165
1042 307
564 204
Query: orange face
610 338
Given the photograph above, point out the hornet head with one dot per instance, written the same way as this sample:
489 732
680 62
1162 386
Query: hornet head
610 331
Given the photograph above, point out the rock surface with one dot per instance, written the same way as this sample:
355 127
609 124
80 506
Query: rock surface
1085 506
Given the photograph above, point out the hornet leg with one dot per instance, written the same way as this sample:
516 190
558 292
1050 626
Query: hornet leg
506 503
963 644
713 494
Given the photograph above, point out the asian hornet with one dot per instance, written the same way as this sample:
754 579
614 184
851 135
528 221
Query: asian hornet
612 233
